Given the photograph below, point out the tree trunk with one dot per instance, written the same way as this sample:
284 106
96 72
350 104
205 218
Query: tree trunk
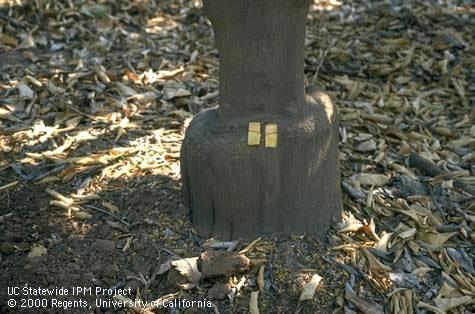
285 180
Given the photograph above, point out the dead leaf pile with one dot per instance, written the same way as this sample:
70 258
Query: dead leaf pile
92 92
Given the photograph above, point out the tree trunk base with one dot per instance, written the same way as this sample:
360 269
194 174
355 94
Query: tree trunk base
236 190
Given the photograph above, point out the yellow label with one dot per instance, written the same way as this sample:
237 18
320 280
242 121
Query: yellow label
271 135
254 134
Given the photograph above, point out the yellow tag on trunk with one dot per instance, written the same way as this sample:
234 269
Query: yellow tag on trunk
271 135
254 134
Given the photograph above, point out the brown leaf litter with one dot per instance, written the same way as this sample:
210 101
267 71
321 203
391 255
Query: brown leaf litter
94 101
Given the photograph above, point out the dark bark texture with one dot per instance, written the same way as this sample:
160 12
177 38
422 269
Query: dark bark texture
237 190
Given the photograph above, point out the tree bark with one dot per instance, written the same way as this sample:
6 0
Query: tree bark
237 190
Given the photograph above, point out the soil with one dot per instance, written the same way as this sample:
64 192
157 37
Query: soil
91 253
95 97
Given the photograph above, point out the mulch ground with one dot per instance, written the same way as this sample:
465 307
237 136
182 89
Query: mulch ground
95 97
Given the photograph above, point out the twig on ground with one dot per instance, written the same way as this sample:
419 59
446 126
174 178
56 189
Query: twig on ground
108 213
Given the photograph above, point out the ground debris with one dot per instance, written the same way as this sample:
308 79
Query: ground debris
216 263
94 102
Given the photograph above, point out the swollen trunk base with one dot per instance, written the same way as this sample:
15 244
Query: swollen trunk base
266 161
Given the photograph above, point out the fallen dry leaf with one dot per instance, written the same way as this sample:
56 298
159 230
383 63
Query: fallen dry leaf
37 250
309 290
